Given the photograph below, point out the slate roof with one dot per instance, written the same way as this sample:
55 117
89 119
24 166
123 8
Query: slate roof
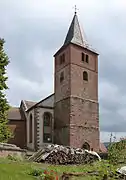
29 104
14 114
103 149
35 104
75 35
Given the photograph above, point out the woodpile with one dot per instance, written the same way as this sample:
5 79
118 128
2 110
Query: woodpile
56 154
122 171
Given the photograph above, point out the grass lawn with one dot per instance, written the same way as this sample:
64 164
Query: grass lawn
14 170
10 170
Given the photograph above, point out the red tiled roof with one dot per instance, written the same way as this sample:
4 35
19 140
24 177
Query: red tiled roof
14 113
103 149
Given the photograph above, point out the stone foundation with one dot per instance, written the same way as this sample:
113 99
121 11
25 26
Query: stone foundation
10 149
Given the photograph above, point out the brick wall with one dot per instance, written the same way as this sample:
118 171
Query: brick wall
62 89
18 128
76 109
83 89
62 121
84 123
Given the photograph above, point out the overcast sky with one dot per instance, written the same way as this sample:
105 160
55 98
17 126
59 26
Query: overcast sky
35 29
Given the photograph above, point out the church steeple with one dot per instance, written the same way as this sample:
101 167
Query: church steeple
76 91
74 34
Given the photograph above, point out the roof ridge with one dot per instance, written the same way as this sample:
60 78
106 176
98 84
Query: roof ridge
30 101
41 101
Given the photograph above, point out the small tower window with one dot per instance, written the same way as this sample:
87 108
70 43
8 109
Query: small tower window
61 76
82 56
85 76
87 58
62 59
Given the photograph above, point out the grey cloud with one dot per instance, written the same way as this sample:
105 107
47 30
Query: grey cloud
112 68
112 122
27 36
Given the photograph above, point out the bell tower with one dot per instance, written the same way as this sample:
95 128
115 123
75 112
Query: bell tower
76 107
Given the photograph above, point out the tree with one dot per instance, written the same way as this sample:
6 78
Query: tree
117 152
5 132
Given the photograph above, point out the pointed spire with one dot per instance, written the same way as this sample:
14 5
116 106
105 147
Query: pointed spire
74 34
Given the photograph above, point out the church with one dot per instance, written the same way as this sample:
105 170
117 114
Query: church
69 116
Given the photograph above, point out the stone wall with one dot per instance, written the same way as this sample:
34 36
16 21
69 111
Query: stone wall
10 149
62 121
84 123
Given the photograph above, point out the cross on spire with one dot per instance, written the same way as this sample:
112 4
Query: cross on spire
75 9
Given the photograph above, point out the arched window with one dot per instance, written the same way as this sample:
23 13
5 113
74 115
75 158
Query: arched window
30 128
86 146
47 127
47 119
85 76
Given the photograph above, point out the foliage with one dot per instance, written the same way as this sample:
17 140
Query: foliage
35 172
14 158
5 133
44 174
11 170
116 152
49 175
97 170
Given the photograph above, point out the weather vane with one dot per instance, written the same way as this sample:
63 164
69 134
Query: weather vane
75 9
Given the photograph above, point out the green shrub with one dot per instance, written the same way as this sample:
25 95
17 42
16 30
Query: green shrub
14 158
35 172
117 152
